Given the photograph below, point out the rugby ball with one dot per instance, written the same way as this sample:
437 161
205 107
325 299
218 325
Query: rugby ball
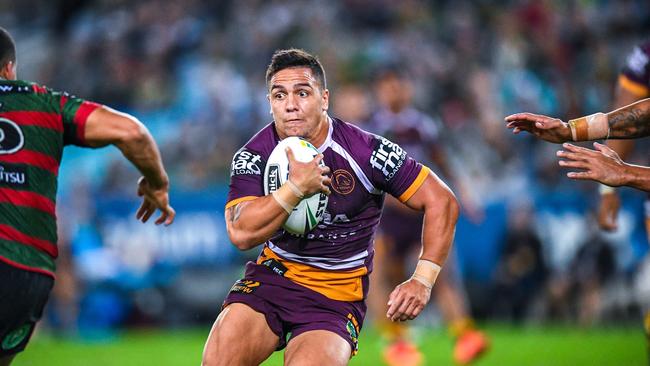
309 212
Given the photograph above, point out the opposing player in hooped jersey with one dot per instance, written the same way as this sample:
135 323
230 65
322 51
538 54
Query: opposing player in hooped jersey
311 289
35 125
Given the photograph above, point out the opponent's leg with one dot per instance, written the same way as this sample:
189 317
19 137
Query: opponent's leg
317 347
239 337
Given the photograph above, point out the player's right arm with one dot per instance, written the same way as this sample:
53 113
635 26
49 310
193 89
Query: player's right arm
252 222
106 126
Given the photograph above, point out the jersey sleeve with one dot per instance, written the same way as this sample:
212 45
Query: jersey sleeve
246 180
394 171
74 114
635 74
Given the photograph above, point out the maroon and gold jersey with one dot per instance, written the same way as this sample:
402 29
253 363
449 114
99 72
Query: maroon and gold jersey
335 258
35 124
635 75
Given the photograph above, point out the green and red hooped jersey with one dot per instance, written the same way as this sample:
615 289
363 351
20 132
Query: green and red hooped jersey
35 124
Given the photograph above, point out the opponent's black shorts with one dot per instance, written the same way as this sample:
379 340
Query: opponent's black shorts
23 295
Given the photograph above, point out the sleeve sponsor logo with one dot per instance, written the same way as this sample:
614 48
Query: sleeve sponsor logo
11 137
246 163
387 157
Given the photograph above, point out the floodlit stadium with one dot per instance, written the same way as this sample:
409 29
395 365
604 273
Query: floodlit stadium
544 270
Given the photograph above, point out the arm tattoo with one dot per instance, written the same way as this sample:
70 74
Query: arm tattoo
234 213
630 123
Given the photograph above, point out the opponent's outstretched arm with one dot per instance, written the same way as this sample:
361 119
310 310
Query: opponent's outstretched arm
251 223
440 215
106 126
631 121
603 165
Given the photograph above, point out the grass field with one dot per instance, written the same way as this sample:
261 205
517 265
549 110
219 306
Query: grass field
556 346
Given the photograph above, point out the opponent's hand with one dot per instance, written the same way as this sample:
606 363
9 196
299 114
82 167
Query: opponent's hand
310 177
407 300
154 199
608 208
602 165
546 128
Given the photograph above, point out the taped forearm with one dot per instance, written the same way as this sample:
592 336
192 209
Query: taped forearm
592 127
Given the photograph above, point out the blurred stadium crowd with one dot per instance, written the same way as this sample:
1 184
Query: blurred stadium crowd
193 71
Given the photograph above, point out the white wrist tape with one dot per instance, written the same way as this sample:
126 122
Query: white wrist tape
426 273
605 189
287 207
592 127
295 189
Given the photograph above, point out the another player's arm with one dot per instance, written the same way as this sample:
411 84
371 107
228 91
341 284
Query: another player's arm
623 98
603 165
631 121
106 126
253 222
610 202
441 212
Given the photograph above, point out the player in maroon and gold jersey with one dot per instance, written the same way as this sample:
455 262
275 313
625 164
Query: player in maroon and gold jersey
36 123
307 292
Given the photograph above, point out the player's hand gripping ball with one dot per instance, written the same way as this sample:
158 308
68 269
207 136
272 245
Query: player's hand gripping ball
309 212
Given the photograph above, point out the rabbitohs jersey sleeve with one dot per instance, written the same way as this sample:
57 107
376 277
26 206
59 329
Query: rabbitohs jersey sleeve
635 75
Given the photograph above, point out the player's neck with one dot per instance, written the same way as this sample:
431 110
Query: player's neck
323 129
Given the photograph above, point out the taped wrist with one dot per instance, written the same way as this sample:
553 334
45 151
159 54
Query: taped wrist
294 188
592 127
426 272
286 206
605 189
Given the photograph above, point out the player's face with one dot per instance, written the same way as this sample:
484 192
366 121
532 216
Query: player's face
299 104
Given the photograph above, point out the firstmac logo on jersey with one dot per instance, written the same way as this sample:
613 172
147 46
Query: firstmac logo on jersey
245 163
387 157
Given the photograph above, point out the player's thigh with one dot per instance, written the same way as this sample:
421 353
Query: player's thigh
239 336
317 347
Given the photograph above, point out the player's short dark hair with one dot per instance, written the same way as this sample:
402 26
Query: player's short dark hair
7 48
284 59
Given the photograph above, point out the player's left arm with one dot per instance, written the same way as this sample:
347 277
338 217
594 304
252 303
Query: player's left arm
106 126
441 211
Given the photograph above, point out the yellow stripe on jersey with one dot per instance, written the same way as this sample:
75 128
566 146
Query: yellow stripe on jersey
633 87
424 173
240 200
336 285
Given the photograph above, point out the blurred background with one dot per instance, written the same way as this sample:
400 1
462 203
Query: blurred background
193 71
